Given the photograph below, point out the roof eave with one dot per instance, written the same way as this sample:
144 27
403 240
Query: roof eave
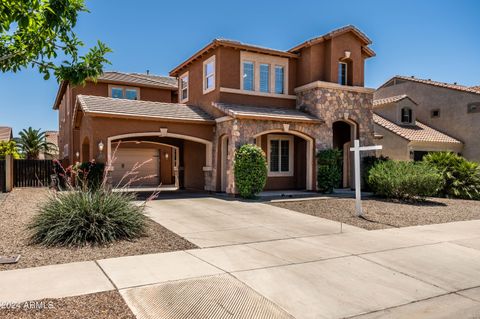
61 91
146 117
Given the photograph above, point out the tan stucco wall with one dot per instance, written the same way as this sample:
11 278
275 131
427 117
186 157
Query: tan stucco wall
454 119
393 111
394 146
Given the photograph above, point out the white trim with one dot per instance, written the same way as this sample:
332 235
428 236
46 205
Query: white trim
280 138
257 59
180 91
225 118
309 158
124 89
204 75
335 86
246 92
208 144
346 73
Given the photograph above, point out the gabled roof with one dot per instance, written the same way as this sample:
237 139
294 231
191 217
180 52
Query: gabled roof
452 86
418 132
332 34
232 44
392 99
123 78
5 133
123 108
270 113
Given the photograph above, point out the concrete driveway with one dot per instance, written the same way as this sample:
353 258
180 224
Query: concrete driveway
211 222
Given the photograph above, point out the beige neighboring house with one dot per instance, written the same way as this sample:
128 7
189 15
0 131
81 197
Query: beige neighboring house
5 133
51 137
404 137
416 116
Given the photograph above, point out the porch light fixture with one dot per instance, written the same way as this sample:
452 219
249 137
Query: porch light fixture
100 146
166 155
77 154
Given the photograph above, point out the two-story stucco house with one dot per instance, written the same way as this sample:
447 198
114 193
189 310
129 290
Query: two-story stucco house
416 116
290 103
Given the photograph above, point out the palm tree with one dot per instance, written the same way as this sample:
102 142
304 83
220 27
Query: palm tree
33 142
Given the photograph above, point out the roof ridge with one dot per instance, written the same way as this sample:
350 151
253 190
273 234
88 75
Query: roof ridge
452 86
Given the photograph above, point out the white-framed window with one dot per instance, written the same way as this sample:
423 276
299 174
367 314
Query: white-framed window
248 76
209 75
264 77
124 92
342 73
183 85
279 79
263 74
406 114
280 155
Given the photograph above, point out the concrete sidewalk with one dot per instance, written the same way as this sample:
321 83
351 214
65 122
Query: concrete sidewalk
423 272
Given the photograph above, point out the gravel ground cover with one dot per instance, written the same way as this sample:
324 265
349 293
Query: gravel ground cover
20 205
99 305
380 213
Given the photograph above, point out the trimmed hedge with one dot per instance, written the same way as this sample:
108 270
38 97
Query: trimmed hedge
250 168
462 177
405 180
329 170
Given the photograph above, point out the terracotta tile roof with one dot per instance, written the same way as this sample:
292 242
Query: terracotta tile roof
337 32
418 132
451 86
476 88
140 79
391 99
5 133
271 113
141 109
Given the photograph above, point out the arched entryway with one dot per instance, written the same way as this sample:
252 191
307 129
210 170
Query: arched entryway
173 161
343 134
85 150
289 158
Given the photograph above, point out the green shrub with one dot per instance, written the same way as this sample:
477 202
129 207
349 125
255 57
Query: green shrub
250 170
405 180
367 163
78 218
462 177
329 170
89 174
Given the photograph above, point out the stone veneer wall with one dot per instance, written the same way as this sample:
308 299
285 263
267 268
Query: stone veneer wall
242 131
331 105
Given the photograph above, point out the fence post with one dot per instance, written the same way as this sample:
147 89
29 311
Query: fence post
9 172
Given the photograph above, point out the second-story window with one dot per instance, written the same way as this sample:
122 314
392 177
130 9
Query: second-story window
279 79
264 77
248 70
184 87
209 75
121 92
342 73
406 115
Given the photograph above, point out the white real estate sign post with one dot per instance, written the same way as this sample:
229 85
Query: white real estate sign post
358 191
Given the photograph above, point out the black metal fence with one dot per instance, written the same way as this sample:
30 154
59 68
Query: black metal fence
32 173
3 177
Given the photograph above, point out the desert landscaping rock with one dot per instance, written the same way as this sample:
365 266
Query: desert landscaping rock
380 213
22 204
101 305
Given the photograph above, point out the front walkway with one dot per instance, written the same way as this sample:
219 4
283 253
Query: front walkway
417 272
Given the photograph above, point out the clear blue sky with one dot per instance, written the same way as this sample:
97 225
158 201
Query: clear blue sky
431 39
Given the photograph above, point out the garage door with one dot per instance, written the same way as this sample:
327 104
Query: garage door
126 158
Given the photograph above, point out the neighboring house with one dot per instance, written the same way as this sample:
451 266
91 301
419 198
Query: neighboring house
52 139
441 116
5 134
290 103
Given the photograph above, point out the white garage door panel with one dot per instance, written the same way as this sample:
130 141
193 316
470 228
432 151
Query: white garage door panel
127 158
